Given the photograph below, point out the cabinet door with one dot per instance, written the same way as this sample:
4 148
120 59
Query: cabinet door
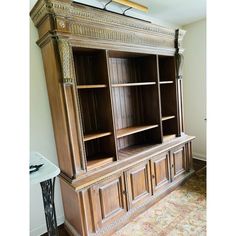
178 161
109 200
160 171
138 184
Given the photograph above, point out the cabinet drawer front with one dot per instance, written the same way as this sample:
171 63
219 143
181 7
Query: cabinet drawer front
138 184
178 161
160 171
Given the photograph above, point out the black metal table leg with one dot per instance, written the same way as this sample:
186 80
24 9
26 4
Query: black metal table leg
49 207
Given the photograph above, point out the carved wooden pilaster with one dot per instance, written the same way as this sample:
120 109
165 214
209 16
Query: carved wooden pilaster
66 58
179 60
72 106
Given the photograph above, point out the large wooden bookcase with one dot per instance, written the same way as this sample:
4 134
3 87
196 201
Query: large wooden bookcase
115 92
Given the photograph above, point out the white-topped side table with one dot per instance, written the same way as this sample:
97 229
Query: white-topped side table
46 176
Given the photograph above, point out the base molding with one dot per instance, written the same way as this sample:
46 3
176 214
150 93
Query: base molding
70 229
199 157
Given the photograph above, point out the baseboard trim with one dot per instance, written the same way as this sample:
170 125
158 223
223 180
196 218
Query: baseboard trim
70 229
199 157
42 229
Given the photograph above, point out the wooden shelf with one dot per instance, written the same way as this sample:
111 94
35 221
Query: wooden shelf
133 84
134 129
91 86
134 150
166 82
98 161
167 117
92 136
168 137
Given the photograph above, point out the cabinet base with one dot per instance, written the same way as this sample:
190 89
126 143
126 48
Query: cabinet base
132 213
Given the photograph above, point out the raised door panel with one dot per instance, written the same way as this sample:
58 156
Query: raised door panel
160 171
178 161
109 201
138 184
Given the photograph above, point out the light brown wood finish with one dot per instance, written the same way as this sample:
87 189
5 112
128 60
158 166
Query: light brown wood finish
138 184
88 137
116 111
64 115
91 86
98 161
168 137
166 82
133 84
160 171
178 161
109 201
167 117
132 130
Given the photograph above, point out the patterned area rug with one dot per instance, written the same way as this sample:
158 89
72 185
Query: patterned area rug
181 213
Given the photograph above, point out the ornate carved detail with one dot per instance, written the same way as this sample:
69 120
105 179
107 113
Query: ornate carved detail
123 37
65 52
97 24
179 58
63 9
61 24
41 8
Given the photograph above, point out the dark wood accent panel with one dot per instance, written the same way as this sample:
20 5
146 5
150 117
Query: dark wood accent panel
167 68
135 105
96 111
90 66
178 161
160 171
138 184
169 95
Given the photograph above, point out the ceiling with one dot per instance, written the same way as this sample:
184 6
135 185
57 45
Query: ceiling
174 13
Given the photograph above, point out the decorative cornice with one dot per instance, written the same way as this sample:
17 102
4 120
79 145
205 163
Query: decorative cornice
80 20
69 10
118 36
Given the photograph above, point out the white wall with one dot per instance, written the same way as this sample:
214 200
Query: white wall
41 135
195 85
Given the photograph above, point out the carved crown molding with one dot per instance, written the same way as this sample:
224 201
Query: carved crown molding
120 37
94 23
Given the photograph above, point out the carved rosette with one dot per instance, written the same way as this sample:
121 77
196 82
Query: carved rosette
66 58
